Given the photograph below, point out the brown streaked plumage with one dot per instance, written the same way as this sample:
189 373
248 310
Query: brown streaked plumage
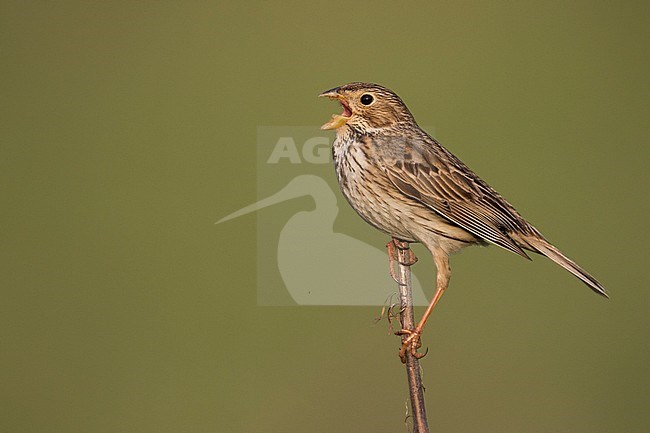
403 182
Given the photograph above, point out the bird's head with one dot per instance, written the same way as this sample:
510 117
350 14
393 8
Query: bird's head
367 107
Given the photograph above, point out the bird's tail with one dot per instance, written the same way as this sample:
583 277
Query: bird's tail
544 247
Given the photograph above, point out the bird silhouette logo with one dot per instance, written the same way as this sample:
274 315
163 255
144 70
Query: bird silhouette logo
319 266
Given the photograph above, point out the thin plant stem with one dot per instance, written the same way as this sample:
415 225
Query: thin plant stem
416 389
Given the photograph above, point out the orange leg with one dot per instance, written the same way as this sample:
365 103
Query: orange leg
412 343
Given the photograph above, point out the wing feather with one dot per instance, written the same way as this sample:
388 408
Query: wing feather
453 191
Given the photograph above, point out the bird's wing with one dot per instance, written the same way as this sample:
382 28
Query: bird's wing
439 180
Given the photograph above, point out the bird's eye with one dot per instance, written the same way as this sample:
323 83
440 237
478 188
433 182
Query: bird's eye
367 99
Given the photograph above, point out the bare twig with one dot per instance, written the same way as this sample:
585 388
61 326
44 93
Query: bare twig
416 389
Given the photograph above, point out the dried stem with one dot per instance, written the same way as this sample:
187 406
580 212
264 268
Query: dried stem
416 390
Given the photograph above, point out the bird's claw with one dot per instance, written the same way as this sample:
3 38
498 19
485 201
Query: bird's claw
411 344
403 246
393 256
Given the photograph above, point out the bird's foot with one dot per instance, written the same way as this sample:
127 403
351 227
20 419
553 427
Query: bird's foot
396 244
411 344
393 246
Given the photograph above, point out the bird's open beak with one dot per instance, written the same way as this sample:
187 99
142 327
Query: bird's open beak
338 120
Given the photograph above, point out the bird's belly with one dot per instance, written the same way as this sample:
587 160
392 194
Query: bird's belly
379 208
373 196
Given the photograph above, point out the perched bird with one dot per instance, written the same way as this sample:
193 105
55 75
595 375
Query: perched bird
403 182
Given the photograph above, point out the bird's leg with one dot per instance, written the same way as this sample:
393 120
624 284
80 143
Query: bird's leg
392 258
413 343
392 247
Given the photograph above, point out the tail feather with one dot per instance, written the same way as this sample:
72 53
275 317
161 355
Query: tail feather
545 248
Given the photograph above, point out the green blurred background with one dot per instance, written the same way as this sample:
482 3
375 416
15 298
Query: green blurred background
129 128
